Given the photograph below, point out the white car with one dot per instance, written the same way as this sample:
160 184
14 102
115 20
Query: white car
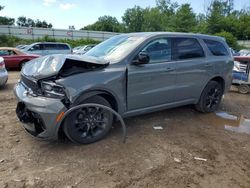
3 73
47 48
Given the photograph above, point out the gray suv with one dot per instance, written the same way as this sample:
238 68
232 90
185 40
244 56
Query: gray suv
133 74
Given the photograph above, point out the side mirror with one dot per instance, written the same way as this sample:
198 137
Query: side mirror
142 58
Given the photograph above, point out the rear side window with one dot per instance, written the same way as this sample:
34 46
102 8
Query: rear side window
216 48
62 47
187 48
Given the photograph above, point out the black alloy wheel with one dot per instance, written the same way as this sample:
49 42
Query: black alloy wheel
210 98
89 124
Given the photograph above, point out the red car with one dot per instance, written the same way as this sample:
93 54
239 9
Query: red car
14 58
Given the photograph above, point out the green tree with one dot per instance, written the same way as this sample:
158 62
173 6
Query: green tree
215 17
22 21
185 19
6 20
153 20
133 19
231 40
105 23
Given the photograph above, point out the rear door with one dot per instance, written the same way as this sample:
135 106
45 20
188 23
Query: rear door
192 68
152 84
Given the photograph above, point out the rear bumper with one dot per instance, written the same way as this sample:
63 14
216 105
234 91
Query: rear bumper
38 114
3 77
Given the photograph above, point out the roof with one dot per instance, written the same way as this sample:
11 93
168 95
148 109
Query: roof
152 34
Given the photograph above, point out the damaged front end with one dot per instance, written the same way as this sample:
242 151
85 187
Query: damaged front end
41 98
41 75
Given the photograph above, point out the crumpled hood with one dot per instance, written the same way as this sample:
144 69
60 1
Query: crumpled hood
48 66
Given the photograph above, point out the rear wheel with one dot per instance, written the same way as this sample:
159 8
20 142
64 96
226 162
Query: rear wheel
88 124
244 89
210 98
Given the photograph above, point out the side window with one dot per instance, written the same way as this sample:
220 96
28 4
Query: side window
62 47
216 48
36 47
50 46
159 50
187 48
11 52
4 52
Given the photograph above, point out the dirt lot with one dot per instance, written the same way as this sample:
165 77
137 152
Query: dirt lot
150 158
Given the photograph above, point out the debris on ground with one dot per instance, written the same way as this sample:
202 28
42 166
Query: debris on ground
200 159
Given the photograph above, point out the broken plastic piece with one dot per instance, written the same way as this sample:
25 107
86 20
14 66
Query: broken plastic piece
200 159
158 128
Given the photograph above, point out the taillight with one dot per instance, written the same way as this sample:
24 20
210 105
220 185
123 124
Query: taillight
2 65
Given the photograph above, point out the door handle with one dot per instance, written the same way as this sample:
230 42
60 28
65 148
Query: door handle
169 69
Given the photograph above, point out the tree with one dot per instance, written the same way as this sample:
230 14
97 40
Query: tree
215 17
150 15
22 21
105 23
6 20
231 40
167 7
133 19
185 20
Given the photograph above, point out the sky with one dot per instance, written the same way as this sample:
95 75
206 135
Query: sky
63 13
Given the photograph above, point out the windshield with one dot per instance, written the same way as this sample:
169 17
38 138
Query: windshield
116 48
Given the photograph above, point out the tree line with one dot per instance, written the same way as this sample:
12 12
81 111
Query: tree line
22 21
218 18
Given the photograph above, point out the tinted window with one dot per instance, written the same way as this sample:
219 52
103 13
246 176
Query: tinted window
36 47
216 48
50 46
4 52
159 50
62 47
187 48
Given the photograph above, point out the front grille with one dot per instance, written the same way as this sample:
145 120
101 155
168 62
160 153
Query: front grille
33 85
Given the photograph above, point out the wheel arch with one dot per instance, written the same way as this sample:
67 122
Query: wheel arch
220 80
113 101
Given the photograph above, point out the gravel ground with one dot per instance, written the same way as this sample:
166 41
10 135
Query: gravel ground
150 158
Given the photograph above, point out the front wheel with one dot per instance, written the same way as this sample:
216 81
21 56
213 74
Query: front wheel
210 98
88 124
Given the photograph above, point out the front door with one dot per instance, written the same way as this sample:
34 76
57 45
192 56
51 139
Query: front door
152 84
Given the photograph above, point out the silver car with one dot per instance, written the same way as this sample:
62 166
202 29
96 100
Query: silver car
132 73
3 73
47 48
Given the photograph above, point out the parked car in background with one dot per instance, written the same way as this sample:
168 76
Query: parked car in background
234 52
241 74
3 73
15 58
21 46
77 48
47 48
132 73
84 49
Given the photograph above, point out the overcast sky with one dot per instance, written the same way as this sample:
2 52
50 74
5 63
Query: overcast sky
62 13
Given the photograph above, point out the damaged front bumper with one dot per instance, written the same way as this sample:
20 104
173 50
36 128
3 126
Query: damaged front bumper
38 114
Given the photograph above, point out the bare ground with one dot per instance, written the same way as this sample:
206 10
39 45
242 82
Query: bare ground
150 158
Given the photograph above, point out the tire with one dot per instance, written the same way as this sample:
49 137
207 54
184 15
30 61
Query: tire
81 125
210 98
243 88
